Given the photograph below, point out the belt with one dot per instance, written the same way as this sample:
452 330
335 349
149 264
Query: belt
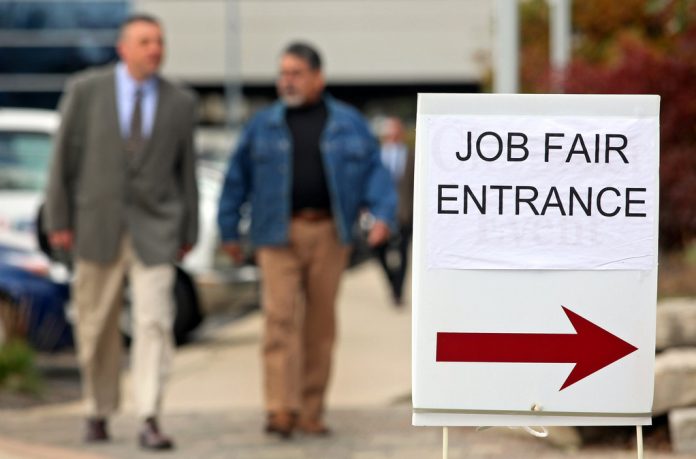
312 215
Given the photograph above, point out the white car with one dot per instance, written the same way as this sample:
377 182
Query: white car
25 151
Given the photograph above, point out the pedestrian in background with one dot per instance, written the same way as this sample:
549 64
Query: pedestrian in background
307 164
398 158
122 196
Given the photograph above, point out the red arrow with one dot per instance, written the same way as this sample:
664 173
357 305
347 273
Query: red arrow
590 349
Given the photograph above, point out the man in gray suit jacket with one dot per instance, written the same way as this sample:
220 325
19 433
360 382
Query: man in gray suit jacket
122 196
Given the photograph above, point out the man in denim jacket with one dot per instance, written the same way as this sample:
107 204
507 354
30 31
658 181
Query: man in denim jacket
308 165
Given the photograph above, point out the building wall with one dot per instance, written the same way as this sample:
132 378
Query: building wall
363 41
371 48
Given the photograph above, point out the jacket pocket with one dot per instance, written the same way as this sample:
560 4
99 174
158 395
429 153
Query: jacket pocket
267 150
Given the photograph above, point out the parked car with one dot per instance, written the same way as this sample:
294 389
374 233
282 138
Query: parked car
33 290
34 282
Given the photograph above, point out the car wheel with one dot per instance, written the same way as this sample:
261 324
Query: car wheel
187 316
41 236
188 312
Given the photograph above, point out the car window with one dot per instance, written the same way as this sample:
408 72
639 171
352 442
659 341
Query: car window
24 158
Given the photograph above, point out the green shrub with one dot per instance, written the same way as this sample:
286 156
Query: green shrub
18 371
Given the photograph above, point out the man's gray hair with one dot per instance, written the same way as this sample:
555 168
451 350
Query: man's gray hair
305 52
138 17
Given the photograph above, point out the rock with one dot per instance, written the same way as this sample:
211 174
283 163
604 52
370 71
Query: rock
565 437
682 430
675 380
676 323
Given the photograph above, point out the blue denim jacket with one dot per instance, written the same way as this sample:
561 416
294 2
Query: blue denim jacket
260 172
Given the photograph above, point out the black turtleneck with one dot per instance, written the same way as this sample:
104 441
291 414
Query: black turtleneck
309 189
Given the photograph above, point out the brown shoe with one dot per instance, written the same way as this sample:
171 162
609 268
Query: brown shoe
314 427
151 438
96 431
281 423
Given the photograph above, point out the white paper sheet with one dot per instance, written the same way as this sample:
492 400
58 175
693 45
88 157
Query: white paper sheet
507 233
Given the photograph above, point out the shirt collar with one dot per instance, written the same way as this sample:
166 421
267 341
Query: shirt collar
129 85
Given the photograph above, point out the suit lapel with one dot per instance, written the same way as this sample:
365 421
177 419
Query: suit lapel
111 113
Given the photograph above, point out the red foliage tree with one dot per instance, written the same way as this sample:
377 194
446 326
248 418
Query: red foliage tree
647 48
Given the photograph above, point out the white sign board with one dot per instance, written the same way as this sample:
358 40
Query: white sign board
535 259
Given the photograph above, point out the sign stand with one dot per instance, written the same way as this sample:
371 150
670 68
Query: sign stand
445 442
639 440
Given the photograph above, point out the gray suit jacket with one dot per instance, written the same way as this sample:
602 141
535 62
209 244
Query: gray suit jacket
99 192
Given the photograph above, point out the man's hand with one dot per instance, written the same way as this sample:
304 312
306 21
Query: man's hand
183 251
379 234
234 250
62 239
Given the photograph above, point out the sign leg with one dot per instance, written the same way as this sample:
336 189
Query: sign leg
639 440
445 442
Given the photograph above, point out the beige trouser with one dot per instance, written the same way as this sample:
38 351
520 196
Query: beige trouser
98 293
300 283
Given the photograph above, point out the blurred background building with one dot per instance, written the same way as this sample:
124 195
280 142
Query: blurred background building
373 49
43 42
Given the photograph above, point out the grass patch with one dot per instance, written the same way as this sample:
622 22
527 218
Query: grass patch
18 371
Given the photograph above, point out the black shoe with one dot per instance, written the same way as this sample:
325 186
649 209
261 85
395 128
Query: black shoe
151 438
96 431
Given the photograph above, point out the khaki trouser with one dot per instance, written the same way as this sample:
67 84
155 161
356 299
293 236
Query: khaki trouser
300 283
98 294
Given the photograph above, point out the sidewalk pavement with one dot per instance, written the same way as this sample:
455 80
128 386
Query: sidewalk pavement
213 403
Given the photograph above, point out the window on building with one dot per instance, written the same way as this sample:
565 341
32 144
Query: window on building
42 42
